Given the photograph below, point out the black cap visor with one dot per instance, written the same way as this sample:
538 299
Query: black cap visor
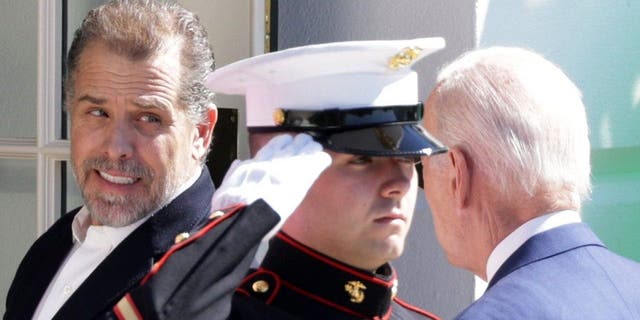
407 139
374 131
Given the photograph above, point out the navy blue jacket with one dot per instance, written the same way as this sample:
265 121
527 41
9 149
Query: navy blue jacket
125 267
563 273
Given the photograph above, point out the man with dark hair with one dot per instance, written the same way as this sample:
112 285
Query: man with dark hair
141 125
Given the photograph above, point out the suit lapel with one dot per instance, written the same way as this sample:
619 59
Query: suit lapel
547 244
133 258
40 266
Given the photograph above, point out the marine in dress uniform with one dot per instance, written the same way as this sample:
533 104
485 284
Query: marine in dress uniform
310 285
356 98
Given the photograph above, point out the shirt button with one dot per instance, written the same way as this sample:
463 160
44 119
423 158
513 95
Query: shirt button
67 290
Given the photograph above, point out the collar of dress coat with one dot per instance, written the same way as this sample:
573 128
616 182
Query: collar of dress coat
82 222
329 281
513 241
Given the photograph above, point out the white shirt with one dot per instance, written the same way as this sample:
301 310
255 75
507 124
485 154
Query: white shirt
513 241
92 244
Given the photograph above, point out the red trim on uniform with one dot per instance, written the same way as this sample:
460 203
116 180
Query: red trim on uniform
242 292
158 265
322 300
416 309
285 237
276 289
119 314
387 315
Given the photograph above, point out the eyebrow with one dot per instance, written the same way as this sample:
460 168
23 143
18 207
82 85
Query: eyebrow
140 102
92 99
150 103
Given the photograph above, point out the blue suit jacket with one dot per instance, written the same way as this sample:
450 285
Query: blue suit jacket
563 273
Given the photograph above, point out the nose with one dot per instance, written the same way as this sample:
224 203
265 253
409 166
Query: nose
119 141
399 174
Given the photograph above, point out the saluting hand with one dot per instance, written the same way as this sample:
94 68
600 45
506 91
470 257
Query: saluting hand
281 173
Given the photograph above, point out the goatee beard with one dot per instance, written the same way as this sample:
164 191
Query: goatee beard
118 210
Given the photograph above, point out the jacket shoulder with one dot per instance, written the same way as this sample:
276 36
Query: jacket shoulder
38 267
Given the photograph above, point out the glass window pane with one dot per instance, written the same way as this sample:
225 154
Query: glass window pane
19 70
72 197
18 225
76 10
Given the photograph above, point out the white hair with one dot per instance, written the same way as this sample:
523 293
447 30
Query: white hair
522 121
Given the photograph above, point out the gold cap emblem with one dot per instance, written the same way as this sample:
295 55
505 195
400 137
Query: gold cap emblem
355 290
278 116
404 58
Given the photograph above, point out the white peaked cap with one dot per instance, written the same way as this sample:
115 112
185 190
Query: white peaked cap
340 75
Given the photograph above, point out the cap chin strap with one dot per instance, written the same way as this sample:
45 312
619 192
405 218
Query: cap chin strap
331 119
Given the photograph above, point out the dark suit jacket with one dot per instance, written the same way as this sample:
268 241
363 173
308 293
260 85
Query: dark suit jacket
124 268
563 273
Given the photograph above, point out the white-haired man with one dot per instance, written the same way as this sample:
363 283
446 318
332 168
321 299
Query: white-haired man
506 197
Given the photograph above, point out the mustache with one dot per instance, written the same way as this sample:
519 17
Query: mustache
130 167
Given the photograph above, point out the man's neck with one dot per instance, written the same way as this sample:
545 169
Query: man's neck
520 235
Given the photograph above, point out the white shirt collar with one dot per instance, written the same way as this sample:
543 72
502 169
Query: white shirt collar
513 241
81 227
92 244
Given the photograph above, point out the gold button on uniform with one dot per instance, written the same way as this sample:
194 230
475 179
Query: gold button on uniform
216 214
278 117
260 286
182 237
394 288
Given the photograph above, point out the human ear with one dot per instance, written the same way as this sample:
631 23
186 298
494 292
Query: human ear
204 132
461 176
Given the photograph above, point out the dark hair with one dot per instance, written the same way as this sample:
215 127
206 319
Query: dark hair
139 29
